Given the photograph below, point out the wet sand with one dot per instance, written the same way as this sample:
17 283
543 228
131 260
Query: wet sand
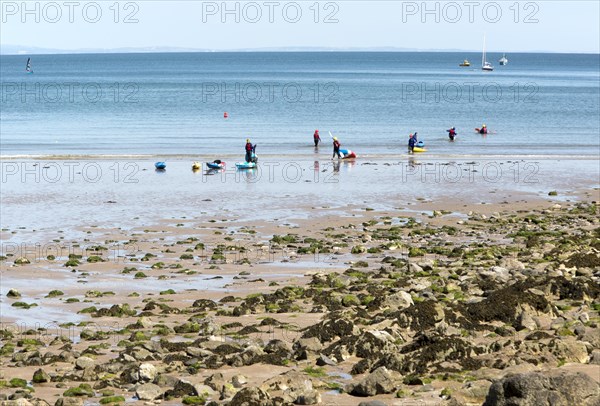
58 194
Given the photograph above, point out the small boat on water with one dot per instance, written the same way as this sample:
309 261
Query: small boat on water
465 63
485 65
160 165
347 154
504 60
245 165
28 68
216 164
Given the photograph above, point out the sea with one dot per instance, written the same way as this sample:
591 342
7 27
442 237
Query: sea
166 105
79 138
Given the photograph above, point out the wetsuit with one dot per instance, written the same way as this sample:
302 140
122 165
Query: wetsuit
249 152
336 149
412 141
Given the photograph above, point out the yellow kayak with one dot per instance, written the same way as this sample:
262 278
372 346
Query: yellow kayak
419 149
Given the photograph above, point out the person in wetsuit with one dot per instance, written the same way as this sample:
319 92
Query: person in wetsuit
249 148
336 148
316 138
451 133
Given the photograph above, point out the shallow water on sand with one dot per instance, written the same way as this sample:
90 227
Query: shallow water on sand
50 196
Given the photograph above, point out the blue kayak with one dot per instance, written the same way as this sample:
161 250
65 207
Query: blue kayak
347 154
215 165
160 165
245 165
420 144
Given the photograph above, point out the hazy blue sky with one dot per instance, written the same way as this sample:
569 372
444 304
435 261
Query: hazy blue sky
560 26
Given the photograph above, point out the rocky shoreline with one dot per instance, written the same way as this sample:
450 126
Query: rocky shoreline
495 309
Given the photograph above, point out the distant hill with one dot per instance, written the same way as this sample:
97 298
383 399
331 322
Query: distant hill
28 50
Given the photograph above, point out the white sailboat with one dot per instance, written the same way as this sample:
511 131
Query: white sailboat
485 65
504 60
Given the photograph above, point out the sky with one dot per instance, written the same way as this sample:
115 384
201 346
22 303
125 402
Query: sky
509 26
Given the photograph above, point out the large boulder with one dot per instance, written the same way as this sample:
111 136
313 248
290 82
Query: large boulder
374 342
304 347
379 381
496 273
147 391
251 396
238 381
398 301
535 388
84 362
293 380
147 372
40 376
570 350
294 387
216 381
311 397
472 392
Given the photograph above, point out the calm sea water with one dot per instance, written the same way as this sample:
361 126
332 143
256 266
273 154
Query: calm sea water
173 104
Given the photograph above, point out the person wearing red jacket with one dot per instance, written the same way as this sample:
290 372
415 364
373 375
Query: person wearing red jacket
249 149
451 133
316 138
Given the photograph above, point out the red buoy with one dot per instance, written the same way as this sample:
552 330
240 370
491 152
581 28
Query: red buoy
225 115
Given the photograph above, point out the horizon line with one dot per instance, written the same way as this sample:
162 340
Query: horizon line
167 49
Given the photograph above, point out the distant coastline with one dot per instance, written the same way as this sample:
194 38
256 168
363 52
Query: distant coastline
26 50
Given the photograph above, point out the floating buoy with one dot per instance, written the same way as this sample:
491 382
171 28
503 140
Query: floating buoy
225 115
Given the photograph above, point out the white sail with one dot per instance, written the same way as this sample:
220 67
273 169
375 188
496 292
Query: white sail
485 65
483 53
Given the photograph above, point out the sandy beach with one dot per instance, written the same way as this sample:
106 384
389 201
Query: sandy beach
414 293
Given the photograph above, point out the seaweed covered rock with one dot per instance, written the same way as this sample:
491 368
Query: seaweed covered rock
429 352
505 304
330 329
115 311
534 389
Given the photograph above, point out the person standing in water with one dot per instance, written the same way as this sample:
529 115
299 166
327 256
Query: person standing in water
249 149
316 138
336 148
483 130
451 133
412 141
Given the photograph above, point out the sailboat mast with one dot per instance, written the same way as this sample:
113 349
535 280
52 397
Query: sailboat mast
483 54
